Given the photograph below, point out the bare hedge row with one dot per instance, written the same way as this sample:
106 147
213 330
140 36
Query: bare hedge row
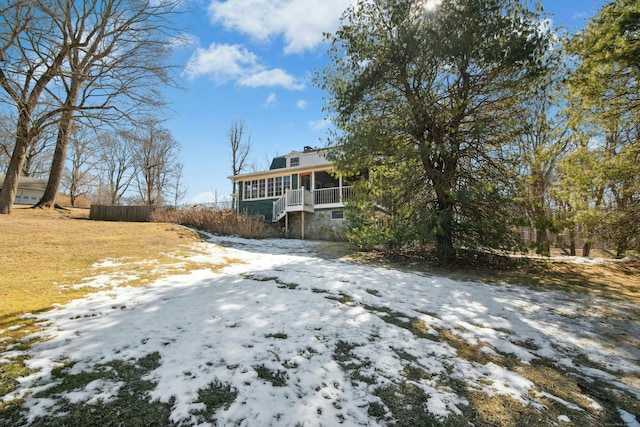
224 222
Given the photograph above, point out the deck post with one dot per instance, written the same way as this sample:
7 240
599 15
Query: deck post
286 224
302 224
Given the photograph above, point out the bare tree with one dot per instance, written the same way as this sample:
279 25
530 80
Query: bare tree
240 150
157 161
118 54
79 177
33 48
178 188
117 166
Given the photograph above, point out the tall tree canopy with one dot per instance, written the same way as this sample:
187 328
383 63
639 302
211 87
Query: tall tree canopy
422 94
606 80
608 51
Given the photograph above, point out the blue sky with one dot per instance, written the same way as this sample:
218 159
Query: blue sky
254 60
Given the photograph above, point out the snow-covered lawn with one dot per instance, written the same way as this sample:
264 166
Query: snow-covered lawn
299 338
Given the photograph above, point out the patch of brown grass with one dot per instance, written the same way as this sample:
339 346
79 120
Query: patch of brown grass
504 411
44 250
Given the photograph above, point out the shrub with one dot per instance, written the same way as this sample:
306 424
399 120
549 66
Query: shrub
224 222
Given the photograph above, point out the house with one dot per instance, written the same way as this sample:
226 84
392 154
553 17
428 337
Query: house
300 191
30 190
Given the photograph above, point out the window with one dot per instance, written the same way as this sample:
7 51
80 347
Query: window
270 187
337 214
295 161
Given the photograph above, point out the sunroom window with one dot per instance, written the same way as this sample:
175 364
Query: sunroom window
265 188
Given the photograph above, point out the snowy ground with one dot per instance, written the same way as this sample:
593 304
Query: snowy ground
330 335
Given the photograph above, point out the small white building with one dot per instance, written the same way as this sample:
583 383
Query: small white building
30 190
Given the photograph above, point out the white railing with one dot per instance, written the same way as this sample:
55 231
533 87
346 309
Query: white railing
302 198
332 196
295 197
279 207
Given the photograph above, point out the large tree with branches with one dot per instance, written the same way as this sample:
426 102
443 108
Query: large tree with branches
427 88
34 46
106 60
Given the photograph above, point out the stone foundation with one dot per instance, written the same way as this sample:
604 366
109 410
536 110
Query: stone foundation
318 226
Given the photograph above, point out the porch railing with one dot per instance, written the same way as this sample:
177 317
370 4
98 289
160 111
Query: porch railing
331 196
279 208
301 198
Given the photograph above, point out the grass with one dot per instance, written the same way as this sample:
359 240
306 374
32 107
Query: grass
276 377
44 251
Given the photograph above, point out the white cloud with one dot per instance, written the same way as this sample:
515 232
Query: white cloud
224 63
271 101
271 78
221 62
319 124
301 23
302 104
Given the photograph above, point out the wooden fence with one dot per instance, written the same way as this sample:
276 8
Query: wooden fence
121 213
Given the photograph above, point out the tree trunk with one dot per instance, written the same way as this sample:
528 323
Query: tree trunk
10 185
62 142
57 165
542 242
541 224
572 243
586 249
442 174
444 233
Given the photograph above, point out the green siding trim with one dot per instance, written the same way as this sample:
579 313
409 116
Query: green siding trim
257 207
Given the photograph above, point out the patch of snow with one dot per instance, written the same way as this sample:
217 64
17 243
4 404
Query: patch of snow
629 418
97 390
108 263
226 326
563 402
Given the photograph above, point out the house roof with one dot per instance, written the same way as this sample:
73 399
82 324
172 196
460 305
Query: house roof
27 183
278 163
310 159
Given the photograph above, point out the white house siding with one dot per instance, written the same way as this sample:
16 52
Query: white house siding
30 190
27 197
